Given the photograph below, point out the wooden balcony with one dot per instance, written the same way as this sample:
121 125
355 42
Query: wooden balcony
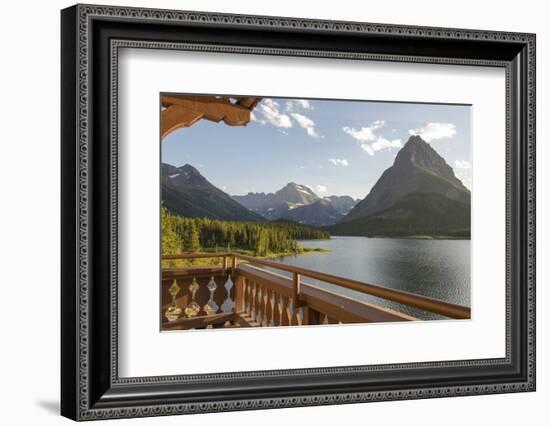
242 292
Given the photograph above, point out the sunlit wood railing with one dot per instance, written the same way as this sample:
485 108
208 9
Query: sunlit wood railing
243 293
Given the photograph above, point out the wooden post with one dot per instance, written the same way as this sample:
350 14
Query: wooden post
224 263
233 265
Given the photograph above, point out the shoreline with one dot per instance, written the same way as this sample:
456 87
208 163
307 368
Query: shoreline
304 250
183 263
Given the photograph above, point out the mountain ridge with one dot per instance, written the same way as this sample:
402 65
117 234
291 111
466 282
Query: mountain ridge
299 203
186 192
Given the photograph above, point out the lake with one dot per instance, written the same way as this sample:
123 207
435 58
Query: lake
434 268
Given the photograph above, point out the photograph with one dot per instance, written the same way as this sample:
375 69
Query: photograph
326 211
279 211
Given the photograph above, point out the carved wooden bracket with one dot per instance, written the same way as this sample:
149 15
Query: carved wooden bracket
185 110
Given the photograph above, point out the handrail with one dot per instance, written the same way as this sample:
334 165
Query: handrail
345 308
194 255
426 303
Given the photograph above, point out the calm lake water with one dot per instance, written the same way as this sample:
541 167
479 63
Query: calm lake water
435 268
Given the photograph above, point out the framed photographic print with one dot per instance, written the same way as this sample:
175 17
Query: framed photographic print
263 212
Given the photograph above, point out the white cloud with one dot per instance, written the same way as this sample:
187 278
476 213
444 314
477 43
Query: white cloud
463 164
369 139
364 134
367 148
339 161
292 104
382 143
433 131
320 189
306 123
270 112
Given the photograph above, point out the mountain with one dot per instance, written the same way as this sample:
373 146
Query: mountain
298 203
417 168
275 205
186 192
320 213
342 203
416 214
418 195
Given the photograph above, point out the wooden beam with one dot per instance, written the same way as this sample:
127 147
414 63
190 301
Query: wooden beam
175 117
184 111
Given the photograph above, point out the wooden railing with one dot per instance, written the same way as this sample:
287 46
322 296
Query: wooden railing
260 297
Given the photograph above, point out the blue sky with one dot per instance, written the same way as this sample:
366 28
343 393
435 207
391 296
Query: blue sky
335 147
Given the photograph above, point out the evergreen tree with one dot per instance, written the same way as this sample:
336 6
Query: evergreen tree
192 242
195 234
170 241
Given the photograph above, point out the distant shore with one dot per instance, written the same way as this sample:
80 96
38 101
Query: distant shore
411 237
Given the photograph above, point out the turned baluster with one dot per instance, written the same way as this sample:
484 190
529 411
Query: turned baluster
174 311
286 314
266 309
211 307
295 315
249 297
259 305
269 308
220 293
277 311
193 308
254 298
239 291
202 294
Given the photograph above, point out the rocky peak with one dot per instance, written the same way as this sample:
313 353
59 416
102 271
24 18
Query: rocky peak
295 193
419 153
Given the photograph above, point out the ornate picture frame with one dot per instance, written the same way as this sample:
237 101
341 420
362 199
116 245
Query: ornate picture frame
91 39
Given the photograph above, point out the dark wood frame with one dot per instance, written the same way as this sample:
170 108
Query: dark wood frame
90 386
